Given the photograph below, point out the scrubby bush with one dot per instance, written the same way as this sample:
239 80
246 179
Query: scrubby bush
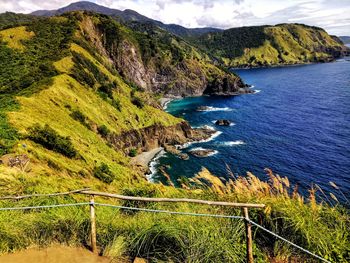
103 173
80 117
133 152
138 102
103 130
51 140
116 104
107 88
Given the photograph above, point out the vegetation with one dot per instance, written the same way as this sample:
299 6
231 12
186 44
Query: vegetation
270 45
104 174
50 139
133 152
320 227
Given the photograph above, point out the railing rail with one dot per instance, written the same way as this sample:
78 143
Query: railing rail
92 204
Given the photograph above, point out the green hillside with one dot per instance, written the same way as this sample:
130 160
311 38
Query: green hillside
282 44
78 97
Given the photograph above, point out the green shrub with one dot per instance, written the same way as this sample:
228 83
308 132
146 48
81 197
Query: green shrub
107 88
103 173
133 152
51 140
103 130
138 102
116 104
80 117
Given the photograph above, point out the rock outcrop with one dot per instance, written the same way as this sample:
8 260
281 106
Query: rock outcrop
158 136
223 123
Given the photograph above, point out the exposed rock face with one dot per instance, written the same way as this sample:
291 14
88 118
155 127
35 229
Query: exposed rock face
177 72
223 122
156 136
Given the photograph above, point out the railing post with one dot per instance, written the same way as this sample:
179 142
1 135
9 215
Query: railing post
93 224
248 232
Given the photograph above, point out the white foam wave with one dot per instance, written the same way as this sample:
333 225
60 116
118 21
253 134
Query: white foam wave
210 108
232 143
257 91
153 166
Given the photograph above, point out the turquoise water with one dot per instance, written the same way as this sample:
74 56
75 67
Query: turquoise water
298 124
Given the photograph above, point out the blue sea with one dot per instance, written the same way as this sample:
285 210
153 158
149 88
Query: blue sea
297 124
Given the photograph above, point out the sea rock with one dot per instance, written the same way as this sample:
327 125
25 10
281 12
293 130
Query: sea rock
173 150
223 122
202 152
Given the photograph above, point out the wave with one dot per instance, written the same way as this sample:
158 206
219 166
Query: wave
153 166
256 91
210 108
232 143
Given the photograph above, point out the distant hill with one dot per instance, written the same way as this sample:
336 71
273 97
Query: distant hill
126 16
271 45
345 39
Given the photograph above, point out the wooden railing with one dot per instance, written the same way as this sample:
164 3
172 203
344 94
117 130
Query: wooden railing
92 204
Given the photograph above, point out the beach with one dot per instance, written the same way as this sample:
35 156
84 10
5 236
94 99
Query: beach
144 158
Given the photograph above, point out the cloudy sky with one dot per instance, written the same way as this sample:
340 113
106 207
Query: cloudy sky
333 15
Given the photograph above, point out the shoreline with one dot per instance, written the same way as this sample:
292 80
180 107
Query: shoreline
145 158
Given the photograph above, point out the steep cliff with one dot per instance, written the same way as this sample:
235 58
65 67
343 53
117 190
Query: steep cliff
157 61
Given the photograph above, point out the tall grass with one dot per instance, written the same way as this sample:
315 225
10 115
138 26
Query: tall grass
317 226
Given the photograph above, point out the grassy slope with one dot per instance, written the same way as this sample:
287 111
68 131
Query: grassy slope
121 234
269 45
52 104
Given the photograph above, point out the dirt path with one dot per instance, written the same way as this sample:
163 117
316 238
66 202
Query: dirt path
55 254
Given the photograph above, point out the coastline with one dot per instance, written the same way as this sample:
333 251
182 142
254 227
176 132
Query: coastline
145 158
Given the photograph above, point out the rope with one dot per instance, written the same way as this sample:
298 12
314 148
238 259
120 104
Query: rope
166 211
41 207
43 195
289 242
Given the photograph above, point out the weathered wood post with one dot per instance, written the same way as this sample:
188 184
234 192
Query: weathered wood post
93 224
248 232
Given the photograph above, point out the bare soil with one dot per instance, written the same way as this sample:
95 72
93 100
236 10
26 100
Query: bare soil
54 254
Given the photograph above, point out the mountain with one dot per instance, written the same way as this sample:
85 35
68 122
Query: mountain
345 39
126 16
253 46
282 44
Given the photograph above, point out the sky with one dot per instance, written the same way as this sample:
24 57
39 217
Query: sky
332 15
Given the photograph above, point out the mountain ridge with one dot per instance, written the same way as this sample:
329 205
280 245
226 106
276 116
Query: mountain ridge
126 15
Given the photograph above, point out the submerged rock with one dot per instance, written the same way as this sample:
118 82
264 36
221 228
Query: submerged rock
223 122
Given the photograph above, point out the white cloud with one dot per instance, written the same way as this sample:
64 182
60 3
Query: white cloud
334 16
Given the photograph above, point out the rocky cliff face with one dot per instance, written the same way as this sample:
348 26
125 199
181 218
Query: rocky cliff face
159 62
156 136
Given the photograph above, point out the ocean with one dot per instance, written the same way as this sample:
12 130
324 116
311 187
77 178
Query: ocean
297 124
